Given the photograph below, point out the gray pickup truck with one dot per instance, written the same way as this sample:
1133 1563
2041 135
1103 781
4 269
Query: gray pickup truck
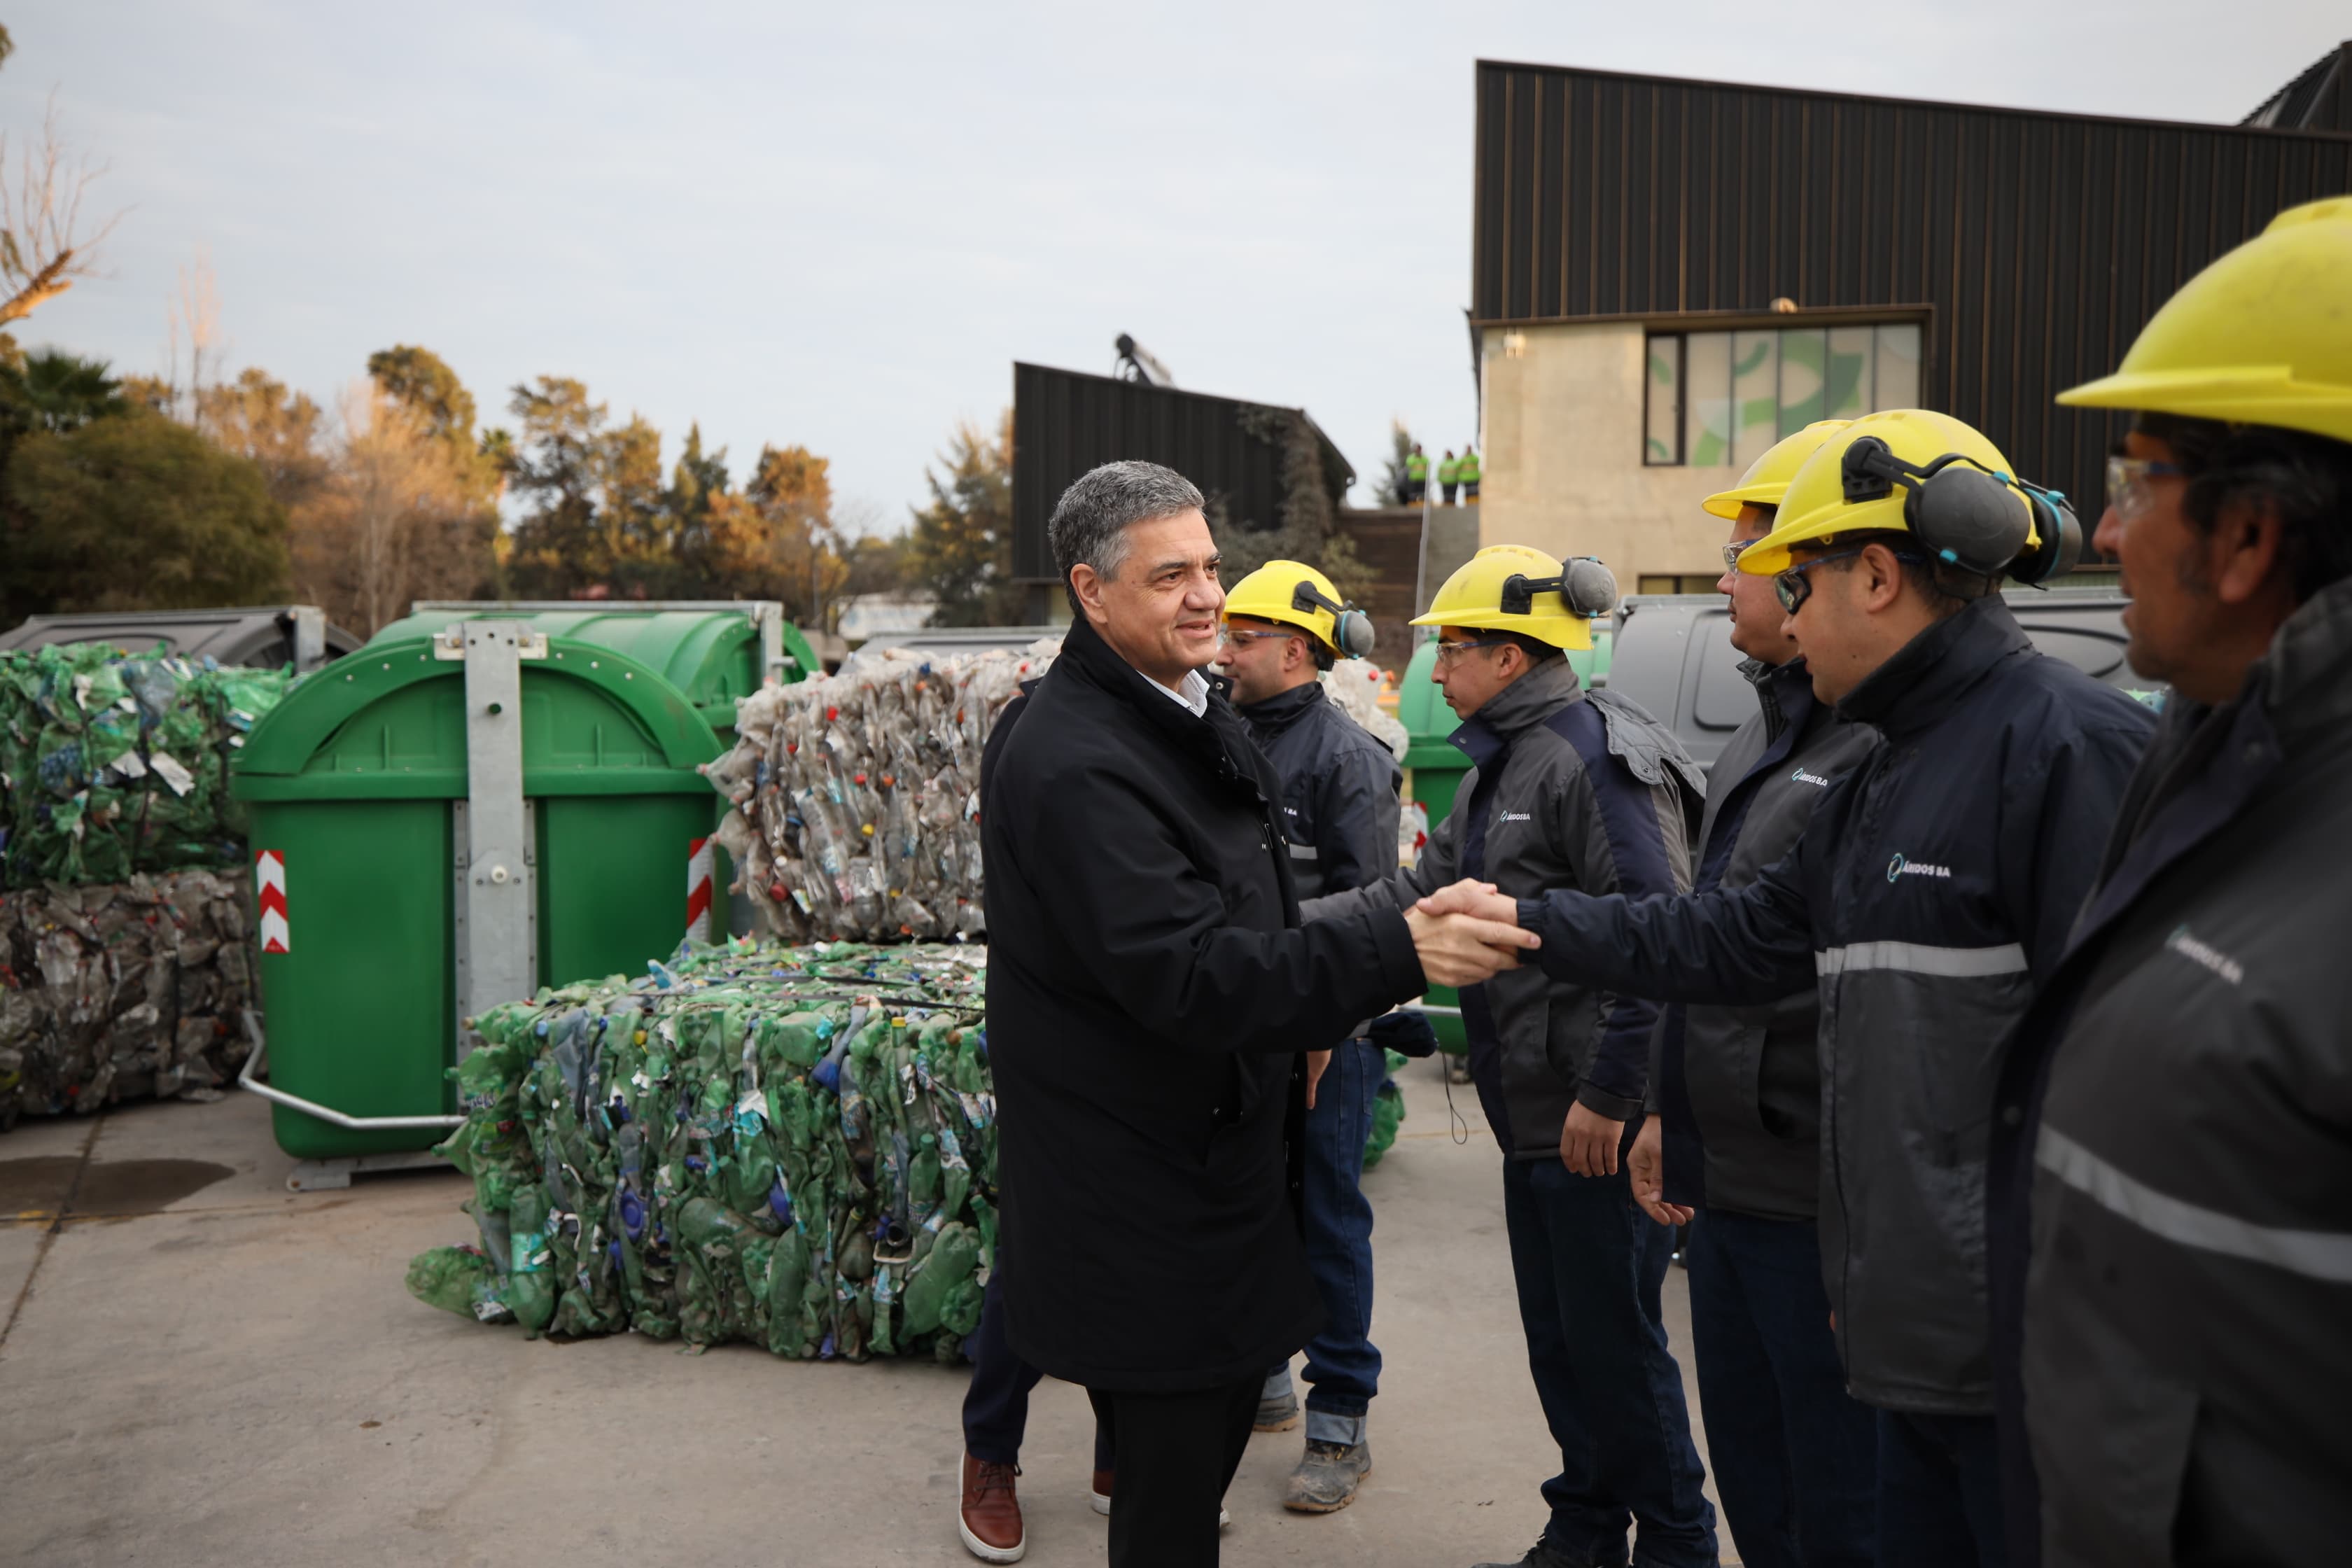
1673 656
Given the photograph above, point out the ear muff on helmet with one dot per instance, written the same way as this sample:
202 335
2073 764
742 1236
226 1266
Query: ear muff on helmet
2062 539
1351 629
1967 516
1585 585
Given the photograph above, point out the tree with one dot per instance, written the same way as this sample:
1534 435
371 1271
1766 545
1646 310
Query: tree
963 544
44 245
134 511
399 518
56 392
258 418
421 382
1392 491
1307 529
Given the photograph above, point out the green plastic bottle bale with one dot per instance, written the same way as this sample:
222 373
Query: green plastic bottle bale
789 1147
460 1280
949 1263
1388 1113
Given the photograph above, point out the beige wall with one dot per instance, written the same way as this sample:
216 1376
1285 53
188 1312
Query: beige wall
1563 468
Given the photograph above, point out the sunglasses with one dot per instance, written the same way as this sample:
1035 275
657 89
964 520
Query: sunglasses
2128 494
1793 587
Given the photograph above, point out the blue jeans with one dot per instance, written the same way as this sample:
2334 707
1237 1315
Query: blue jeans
1795 1457
1588 1266
1939 1490
1343 1365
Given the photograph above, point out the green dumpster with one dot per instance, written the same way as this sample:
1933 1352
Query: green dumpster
715 651
441 824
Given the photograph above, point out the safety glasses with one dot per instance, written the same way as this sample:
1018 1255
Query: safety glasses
1793 587
1732 552
2127 484
1226 635
1447 652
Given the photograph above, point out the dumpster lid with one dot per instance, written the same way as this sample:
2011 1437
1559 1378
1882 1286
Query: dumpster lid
389 723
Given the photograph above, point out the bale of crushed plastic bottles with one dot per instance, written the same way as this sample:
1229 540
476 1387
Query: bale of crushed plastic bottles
114 763
123 991
858 795
790 1147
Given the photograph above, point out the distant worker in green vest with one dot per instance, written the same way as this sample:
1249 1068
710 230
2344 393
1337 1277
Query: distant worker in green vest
1449 478
1468 468
1416 476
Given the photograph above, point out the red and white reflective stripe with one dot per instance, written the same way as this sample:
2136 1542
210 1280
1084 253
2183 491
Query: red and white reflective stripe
697 891
269 883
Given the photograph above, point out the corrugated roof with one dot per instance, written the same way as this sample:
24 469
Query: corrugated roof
2314 100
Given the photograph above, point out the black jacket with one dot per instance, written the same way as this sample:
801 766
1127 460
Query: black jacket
1933 888
1739 1087
1339 790
2178 1107
1148 991
1571 789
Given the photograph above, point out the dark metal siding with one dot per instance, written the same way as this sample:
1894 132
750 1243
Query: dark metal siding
2041 243
1064 423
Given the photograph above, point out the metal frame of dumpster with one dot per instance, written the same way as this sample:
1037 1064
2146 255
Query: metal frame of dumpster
767 615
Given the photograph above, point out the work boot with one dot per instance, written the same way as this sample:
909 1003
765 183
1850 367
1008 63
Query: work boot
1098 1496
1326 1480
1279 1414
990 1518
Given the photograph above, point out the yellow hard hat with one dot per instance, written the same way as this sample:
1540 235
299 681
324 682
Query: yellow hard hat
1910 470
1296 595
1767 478
1515 588
2263 336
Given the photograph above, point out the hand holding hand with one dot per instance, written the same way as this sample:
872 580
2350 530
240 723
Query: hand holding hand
1458 950
1476 898
1588 1144
1645 1167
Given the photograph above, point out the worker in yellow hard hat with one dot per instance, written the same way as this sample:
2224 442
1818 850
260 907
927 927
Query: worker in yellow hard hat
1284 624
1928 892
2172 1260
1567 786
1733 1149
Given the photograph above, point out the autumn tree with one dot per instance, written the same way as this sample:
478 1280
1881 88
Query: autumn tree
257 418
399 518
421 382
962 542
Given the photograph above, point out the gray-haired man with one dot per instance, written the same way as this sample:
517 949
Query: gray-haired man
1150 993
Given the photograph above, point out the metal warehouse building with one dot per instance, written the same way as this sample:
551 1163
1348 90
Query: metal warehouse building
1669 275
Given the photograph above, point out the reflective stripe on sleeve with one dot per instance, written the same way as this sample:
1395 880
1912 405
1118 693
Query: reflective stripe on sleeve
1303 852
2315 1254
1960 963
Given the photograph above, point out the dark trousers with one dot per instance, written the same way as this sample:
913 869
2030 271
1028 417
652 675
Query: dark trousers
1343 1365
1939 1491
1177 1455
1795 1457
997 1405
1588 1266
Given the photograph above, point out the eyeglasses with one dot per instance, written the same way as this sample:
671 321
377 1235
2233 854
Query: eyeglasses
1447 652
1793 587
1732 552
2127 490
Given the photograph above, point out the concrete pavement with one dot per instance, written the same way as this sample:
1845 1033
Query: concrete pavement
204 1369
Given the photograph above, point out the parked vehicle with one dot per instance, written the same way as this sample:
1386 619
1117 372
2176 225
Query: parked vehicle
1674 655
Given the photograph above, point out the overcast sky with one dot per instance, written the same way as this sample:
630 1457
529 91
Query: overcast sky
840 225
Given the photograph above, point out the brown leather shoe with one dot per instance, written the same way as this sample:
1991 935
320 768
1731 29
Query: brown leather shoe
990 1518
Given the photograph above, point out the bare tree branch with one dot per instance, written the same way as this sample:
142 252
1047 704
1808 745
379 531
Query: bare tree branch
42 246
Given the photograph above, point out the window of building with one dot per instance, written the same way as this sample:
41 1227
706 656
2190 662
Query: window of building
1719 399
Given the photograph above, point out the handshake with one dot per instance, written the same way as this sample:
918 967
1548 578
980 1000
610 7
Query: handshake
1467 933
